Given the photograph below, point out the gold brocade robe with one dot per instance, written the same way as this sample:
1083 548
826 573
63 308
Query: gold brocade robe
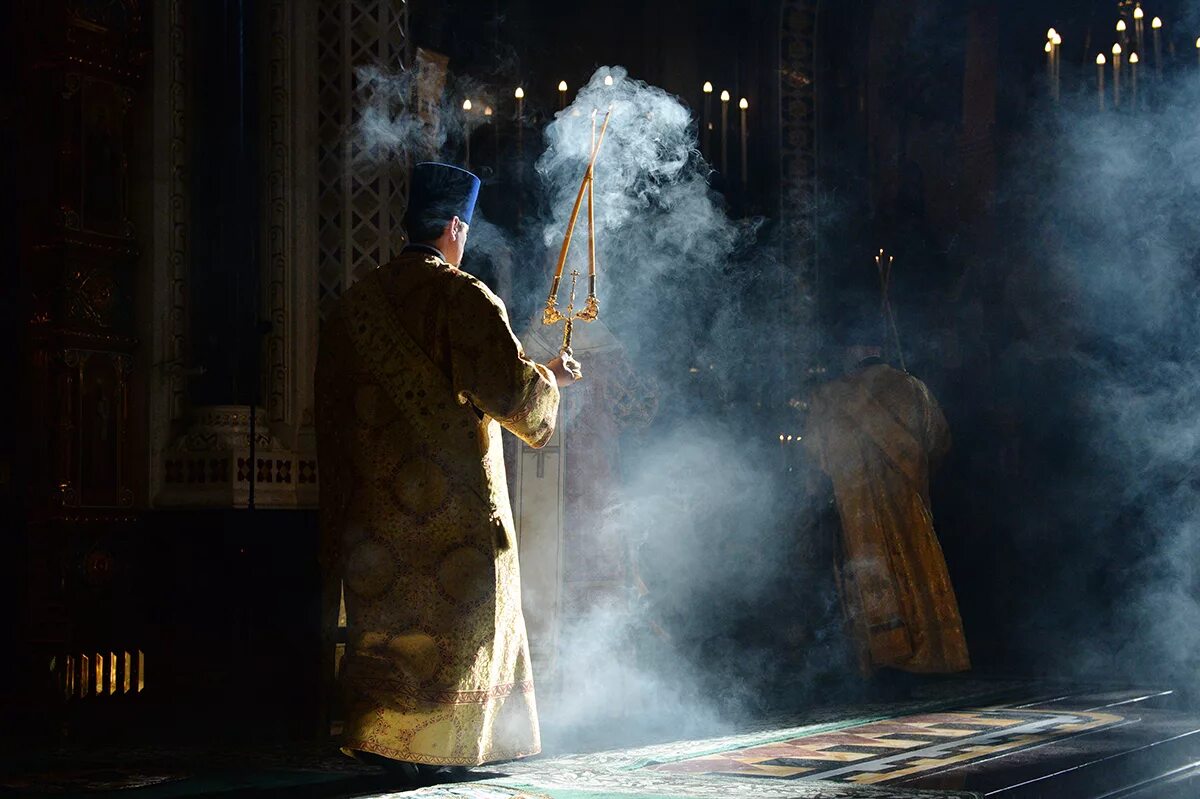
417 372
876 432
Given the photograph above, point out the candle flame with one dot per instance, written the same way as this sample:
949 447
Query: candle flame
742 104
1121 26
708 87
724 96
1198 42
1101 60
1057 40
1138 13
781 436
1116 49
562 85
467 104
519 93
608 80
487 111
1156 23
1133 58
1049 47
1050 34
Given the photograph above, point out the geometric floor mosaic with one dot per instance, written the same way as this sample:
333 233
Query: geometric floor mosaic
881 751
956 739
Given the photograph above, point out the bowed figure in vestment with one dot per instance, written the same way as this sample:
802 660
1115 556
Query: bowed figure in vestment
876 432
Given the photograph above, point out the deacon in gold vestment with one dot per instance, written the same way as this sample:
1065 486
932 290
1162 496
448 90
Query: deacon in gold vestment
876 432
418 371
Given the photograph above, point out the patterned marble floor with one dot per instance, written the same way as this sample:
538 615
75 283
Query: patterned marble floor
956 739
1083 743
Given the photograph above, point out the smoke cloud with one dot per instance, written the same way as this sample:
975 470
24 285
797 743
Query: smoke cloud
1105 334
701 506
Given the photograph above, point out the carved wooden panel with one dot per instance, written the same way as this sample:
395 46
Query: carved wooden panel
95 429
82 67
360 208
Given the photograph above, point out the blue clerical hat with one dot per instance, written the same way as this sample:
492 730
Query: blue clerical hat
437 193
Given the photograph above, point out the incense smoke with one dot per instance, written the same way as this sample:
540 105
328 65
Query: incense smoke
399 119
1106 337
700 509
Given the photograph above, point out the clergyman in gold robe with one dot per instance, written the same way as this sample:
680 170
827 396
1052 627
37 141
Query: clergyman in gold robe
876 433
418 371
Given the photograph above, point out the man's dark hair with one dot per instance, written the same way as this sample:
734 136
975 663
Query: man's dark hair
428 224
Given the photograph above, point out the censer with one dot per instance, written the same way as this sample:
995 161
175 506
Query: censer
591 309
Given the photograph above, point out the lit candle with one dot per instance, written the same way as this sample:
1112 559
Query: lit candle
1155 27
1121 32
744 105
1050 67
1139 27
724 130
562 94
519 94
707 121
608 81
1100 78
1057 58
1133 65
1051 60
1198 51
467 129
487 118
1116 54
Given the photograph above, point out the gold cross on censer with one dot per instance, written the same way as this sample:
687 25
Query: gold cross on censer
591 308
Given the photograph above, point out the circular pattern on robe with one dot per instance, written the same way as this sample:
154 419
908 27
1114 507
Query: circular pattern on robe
420 486
369 641
418 655
372 407
436 739
370 568
466 575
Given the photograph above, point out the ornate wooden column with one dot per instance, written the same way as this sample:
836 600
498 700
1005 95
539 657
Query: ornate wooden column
81 74
798 175
360 209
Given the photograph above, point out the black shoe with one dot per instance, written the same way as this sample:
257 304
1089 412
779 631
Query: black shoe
453 773
414 773
407 772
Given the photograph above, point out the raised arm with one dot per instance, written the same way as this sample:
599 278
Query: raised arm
491 371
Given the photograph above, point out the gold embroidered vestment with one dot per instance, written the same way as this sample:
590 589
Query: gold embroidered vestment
876 432
417 372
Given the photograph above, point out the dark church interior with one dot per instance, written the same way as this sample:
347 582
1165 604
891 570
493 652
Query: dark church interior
880 480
